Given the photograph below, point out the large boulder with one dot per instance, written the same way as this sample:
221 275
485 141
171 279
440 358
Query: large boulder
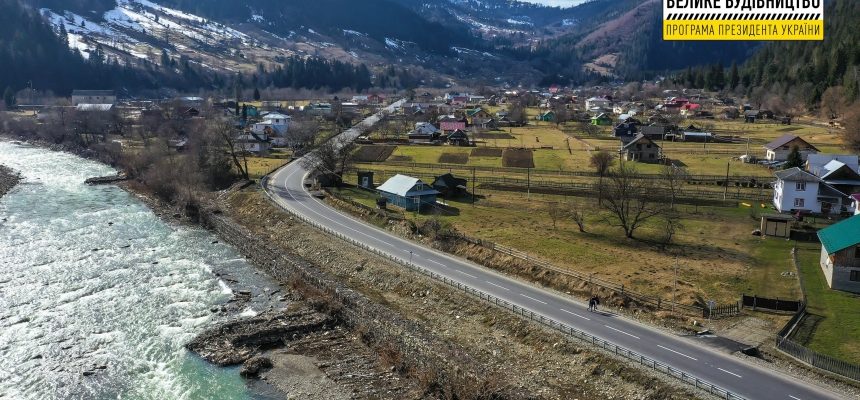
252 368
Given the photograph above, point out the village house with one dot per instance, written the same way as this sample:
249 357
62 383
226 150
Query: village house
458 138
839 171
450 123
408 193
656 131
252 143
450 186
601 120
626 129
840 254
598 102
477 114
798 191
690 109
93 97
274 125
318 109
548 116
779 149
641 149
424 133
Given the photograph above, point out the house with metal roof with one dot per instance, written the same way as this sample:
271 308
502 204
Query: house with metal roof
408 193
641 149
796 190
779 149
840 254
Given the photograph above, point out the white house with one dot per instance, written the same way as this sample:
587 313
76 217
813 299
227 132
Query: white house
799 191
840 254
598 102
275 126
779 149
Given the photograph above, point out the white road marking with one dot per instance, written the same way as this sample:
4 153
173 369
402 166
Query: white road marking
795 398
437 263
619 330
498 286
469 275
532 298
575 314
730 373
678 353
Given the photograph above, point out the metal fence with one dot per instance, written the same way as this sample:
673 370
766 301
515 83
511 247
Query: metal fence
565 329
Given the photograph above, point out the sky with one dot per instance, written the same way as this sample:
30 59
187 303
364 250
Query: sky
560 3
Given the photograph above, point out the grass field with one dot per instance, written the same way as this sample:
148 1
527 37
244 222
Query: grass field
717 256
838 332
260 166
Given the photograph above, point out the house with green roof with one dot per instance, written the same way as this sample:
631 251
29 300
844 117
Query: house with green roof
840 254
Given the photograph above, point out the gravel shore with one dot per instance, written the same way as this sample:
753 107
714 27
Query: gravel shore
8 179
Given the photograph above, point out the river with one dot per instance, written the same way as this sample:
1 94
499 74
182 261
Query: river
98 295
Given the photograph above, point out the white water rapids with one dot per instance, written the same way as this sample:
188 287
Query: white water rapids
93 281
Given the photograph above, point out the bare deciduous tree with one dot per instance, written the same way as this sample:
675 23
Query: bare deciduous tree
674 178
851 138
334 156
224 129
671 225
556 213
630 200
601 161
833 102
578 218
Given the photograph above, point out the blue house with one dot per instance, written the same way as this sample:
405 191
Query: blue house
408 193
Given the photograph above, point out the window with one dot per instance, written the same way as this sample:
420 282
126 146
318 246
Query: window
800 186
857 252
799 203
855 276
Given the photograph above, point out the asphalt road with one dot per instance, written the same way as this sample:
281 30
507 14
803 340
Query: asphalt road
733 374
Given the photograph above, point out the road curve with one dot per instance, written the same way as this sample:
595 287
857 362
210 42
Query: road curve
286 188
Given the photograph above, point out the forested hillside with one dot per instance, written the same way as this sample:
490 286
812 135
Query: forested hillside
805 73
379 19
30 51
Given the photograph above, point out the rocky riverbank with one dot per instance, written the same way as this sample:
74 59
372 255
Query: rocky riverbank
8 179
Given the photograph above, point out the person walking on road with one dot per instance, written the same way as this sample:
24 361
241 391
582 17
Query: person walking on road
591 304
596 303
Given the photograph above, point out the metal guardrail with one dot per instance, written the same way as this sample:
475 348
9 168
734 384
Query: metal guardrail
568 330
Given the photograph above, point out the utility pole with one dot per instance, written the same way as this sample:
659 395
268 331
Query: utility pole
726 192
528 184
473 186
